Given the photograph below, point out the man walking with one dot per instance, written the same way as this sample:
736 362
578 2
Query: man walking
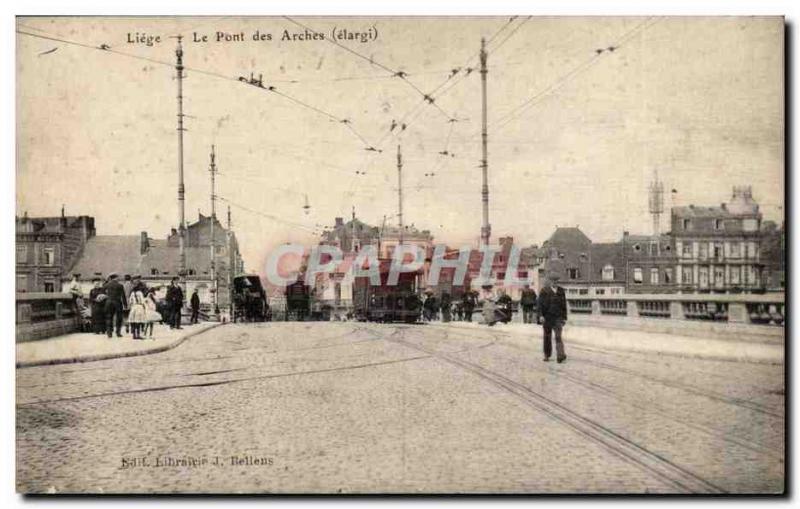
175 299
528 302
469 303
446 307
553 309
115 303
195 303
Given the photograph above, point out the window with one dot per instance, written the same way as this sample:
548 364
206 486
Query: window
702 277
718 251
653 249
719 277
22 283
654 276
687 224
600 291
608 273
749 225
719 224
573 273
734 250
615 291
703 250
583 291
153 272
686 277
337 293
668 275
637 275
49 287
687 249
572 291
637 247
22 255
49 256
735 273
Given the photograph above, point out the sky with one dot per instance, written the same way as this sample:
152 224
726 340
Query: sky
575 136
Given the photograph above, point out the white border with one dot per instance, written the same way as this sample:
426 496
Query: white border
8 498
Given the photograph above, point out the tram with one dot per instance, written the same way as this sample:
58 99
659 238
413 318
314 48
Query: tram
384 303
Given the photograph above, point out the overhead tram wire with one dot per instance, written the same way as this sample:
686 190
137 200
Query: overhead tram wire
459 73
562 81
268 216
107 49
394 73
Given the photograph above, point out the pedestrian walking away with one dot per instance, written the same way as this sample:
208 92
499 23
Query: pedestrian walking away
553 309
528 302
114 305
195 303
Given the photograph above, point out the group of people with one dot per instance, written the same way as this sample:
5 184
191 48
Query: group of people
112 304
549 309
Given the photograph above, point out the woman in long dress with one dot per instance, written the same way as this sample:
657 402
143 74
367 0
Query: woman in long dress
138 315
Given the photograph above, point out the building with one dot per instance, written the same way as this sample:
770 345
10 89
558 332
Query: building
158 261
584 267
650 263
773 254
718 248
46 248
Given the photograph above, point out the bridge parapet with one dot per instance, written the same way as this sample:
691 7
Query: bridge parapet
758 309
43 315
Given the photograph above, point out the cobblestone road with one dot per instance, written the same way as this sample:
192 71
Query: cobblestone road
346 407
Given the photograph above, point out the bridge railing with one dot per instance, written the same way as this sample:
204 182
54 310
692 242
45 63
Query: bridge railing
43 315
761 309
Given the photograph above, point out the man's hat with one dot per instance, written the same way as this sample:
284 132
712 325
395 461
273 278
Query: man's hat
554 275
137 276
113 275
96 279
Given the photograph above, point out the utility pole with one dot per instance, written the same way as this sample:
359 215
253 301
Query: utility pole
214 284
181 189
486 228
400 192
231 268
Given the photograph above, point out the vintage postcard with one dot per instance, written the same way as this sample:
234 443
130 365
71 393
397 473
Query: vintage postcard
405 255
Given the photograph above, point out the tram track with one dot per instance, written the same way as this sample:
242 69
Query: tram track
681 478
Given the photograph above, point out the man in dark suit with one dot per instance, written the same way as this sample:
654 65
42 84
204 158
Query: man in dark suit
527 301
175 299
553 309
115 303
195 304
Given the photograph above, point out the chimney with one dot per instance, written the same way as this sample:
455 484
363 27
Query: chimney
144 243
339 222
724 207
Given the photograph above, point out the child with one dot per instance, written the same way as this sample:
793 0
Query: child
151 313
137 316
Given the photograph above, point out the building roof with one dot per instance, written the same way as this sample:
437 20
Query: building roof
568 237
604 254
122 254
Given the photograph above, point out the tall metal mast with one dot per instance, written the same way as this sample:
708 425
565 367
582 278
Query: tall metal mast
181 189
214 282
400 191
486 228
